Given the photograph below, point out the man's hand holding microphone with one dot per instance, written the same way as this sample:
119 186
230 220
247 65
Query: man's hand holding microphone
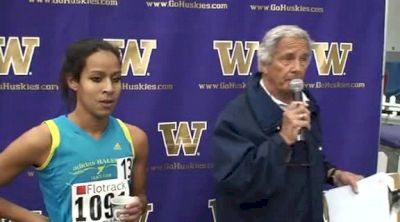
296 118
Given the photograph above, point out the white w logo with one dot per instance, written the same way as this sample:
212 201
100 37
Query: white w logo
13 55
175 139
238 59
148 210
333 60
132 57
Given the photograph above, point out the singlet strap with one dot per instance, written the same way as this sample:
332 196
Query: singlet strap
55 142
127 134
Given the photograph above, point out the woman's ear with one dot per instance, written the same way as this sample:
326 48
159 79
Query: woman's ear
72 83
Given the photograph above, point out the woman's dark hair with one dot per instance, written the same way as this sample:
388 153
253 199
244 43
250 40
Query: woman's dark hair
75 60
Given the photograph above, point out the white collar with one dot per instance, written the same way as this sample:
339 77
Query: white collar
279 102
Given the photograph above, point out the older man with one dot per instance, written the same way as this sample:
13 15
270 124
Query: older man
263 171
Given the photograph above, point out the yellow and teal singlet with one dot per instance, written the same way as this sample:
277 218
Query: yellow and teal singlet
82 174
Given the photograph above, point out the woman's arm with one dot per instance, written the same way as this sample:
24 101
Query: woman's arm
139 174
31 148
134 211
17 213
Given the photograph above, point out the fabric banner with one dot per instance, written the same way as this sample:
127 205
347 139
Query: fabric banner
183 60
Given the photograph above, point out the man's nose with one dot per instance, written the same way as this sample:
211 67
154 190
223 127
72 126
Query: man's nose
297 65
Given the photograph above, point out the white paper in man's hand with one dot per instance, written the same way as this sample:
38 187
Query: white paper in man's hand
371 204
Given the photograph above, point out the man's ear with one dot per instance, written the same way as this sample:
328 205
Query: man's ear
72 83
264 68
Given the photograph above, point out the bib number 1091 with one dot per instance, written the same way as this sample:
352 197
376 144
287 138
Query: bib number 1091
91 201
99 206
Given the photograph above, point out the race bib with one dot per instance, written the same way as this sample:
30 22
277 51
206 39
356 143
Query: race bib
91 201
124 168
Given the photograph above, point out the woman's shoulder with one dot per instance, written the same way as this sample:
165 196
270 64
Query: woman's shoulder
136 132
138 135
38 136
139 140
32 146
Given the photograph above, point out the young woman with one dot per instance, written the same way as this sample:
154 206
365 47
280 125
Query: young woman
87 157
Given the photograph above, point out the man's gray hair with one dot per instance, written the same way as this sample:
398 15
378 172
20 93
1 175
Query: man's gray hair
271 39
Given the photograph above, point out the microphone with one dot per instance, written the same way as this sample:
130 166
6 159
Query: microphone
297 86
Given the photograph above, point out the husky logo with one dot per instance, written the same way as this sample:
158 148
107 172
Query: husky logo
333 60
14 56
236 59
175 139
213 207
145 214
132 56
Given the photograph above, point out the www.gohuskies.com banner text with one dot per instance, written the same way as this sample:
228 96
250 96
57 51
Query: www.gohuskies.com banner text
183 60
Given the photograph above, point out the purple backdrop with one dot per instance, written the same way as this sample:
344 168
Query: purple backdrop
183 61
